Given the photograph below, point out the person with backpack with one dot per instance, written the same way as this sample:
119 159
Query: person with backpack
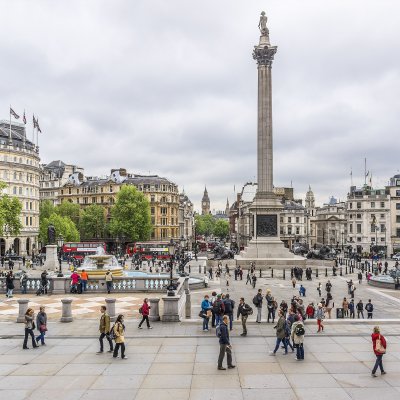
297 335
224 344
219 309
229 305
104 329
244 310
118 332
257 301
369 308
319 315
280 333
145 311
379 348
360 309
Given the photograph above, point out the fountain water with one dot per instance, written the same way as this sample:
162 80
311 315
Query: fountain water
97 265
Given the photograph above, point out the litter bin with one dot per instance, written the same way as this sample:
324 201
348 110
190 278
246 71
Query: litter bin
339 313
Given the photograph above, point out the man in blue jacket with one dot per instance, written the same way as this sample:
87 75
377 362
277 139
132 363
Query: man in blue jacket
224 344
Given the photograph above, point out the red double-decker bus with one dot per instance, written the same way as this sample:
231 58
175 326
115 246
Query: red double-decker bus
148 250
79 250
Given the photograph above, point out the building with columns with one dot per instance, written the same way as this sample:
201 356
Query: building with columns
20 170
186 220
392 232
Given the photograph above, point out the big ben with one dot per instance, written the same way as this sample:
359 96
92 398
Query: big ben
205 203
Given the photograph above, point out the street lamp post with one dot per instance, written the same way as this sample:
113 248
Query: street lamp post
171 251
60 243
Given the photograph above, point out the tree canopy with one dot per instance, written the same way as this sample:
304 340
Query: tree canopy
221 228
130 216
63 226
10 213
93 222
205 224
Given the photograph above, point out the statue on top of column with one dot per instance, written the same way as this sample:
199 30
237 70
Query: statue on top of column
262 25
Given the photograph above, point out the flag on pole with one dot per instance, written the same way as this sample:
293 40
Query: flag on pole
24 118
13 113
37 125
34 122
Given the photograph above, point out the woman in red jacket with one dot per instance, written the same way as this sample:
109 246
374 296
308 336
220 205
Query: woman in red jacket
379 352
145 311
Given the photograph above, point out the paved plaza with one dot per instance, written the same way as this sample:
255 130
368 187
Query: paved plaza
178 360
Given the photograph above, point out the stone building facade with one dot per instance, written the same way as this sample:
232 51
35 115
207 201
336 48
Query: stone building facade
52 177
162 194
393 230
186 220
20 170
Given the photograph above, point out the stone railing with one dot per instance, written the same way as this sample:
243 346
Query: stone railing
32 285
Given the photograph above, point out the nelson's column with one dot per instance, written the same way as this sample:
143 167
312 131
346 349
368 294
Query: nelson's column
265 247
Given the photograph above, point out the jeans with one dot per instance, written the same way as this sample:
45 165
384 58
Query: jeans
145 318
378 363
278 342
84 286
30 333
117 346
370 315
218 319
23 289
244 320
230 320
271 314
41 337
300 352
9 292
205 323
360 312
109 285
288 344
108 339
259 309
223 348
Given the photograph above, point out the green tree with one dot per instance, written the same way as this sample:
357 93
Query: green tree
130 216
205 224
46 208
221 229
93 222
71 210
63 225
10 214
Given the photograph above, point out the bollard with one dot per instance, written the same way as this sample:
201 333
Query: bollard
284 274
260 272
205 270
199 269
341 272
272 273
346 269
316 273
326 272
23 306
189 269
66 315
154 309
110 304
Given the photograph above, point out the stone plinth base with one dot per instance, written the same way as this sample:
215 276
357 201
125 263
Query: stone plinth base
171 309
51 263
58 285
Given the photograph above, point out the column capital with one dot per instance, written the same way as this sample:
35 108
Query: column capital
264 55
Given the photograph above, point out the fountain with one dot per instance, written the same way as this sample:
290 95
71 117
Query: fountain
97 265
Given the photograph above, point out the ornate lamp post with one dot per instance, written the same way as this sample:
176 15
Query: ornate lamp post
60 243
171 251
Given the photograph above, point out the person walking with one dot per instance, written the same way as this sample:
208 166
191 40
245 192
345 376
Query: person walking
109 279
119 334
319 288
84 280
41 325
297 335
319 315
9 284
244 310
280 333
104 329
345 305
379 348
229 305
294 282
254 280
329 305
29 327
145 314
360 309
44 281
224 345
248 277
206 312
370 309
257 301
360 277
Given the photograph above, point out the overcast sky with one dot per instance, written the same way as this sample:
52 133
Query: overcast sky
170 87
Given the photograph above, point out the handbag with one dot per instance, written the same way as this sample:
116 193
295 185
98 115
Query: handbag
43 328
201 314
379 347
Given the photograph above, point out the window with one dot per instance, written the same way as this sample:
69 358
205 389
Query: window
351 216
383 228
350 206
93 199
397 206
397 192
372 239
398 232
358 239
153 220
297 230
297 219
152 198
398 219
163 210
111 188
372 228
358 216
289 219
382 239
382 216
289 230
372 204
372 216
358 205
358 228
164 221
26 221
351 228
382 204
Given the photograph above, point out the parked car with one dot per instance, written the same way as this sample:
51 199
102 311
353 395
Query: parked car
396 257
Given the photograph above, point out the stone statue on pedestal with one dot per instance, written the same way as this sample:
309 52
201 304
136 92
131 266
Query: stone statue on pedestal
51 234
262 25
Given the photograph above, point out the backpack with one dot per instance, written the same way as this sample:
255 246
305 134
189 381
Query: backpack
111 334
368 307
228 307
218 330
140 310
299 331
218 307
255 300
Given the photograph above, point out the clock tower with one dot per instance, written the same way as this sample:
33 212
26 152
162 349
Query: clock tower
205 203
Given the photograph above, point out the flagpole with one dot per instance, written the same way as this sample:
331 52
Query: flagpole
24 121
365 171
10 125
